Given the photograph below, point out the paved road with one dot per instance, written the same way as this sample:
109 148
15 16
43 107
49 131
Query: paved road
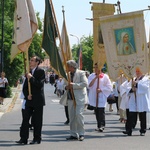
55 132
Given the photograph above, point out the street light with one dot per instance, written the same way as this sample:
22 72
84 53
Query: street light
76 37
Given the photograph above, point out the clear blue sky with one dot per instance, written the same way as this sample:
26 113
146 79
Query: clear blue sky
76 12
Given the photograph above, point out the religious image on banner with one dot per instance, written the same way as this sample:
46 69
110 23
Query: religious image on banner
125 43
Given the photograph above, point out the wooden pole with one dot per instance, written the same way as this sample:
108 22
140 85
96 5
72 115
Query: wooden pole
28 70
98 80
65 63
24 58
97 92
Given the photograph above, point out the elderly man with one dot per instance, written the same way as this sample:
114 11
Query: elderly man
77 95
137 95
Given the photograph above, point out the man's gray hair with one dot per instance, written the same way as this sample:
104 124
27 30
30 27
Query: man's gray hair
72 63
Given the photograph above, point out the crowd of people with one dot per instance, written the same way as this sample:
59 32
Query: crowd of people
131 98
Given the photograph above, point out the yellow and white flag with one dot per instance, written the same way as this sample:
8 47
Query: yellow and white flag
65 53
125 43
25 26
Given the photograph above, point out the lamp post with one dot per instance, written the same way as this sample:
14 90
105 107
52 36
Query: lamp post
2 36
76 37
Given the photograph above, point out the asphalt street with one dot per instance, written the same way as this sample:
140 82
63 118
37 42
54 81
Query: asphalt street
54 131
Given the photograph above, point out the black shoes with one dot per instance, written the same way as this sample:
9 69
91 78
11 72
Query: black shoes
128 133
101 129
67 122
35 142
71 138
22 142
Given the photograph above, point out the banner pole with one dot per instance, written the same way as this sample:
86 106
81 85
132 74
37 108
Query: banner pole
69 80
28 70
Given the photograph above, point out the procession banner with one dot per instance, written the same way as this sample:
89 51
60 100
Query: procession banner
50 34
99 10
25 26
65 43
125 43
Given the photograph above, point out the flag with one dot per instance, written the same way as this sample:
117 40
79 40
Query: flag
49 40
80 58
99 10
65 43
25 26
125 43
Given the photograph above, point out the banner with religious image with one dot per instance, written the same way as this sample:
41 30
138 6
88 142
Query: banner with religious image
99 10
125 43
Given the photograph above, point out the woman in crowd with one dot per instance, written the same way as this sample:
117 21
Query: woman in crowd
3 84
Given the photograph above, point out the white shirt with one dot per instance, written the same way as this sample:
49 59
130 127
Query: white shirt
33 70
22 95
140 100
3 80
106 87
60 85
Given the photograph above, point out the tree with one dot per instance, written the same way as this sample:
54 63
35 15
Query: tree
87 52
15 68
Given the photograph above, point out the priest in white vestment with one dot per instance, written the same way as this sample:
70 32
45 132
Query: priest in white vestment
136 98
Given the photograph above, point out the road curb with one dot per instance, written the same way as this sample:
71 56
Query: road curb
12 103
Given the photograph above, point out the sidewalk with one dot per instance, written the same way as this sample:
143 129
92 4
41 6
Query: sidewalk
9 102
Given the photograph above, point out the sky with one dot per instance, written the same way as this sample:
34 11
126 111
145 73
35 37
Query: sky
76 12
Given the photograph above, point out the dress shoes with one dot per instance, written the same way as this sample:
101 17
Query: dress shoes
71 138
128 133
101 129
67 122
35 142
22 142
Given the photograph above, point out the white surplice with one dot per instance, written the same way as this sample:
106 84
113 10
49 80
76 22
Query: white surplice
138 101
105 85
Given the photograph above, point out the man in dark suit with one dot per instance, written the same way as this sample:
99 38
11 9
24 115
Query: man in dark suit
34 102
